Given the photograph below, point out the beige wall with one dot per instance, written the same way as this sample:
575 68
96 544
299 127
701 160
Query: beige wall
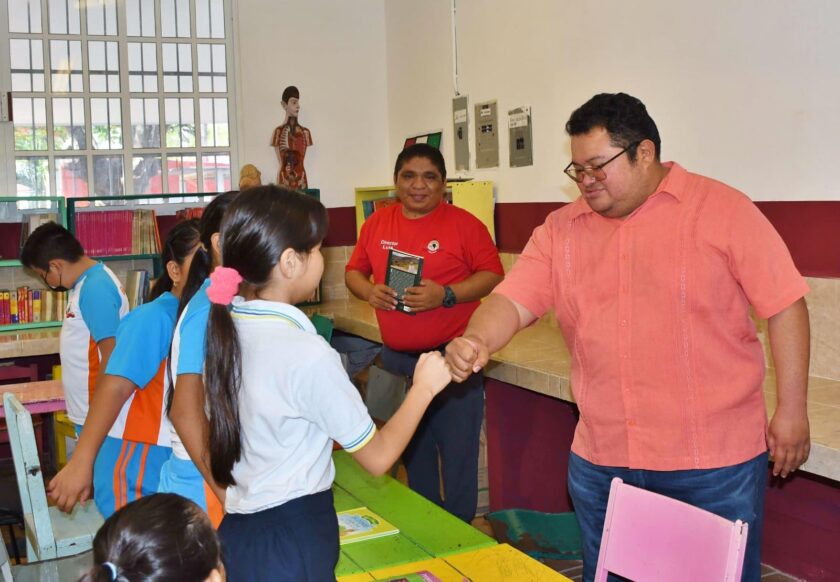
742 91
334 52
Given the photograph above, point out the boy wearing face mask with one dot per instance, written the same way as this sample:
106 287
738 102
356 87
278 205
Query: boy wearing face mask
96 302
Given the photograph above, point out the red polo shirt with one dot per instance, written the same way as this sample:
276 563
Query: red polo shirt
454 244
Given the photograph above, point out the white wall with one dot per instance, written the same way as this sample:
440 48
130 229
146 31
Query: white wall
334 52
744 91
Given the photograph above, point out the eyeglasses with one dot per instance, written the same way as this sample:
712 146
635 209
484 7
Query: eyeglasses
578 173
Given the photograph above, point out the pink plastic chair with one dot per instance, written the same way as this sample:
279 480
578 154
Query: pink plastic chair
650 537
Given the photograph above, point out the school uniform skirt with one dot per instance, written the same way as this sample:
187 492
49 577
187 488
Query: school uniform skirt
296 541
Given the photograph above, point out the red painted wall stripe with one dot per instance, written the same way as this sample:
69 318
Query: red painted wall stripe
810 229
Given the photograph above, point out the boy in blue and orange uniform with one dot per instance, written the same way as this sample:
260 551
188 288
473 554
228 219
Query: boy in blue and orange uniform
96 302
126 438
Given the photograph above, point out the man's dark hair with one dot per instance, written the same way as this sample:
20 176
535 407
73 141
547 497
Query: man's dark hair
48 242
624 117
421 150
290 92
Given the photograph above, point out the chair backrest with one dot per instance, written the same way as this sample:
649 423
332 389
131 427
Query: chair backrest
33 496
648 536
5 566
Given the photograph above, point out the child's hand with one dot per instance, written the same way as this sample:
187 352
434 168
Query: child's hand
73 483
432 373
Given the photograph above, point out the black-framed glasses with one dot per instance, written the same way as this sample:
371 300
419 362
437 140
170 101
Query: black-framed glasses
578 173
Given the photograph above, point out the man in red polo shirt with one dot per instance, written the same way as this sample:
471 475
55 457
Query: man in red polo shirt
651 274
460 266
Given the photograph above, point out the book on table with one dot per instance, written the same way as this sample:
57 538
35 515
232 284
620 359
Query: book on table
356 525
404 270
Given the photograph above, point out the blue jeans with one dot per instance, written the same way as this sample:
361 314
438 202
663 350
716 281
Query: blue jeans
735 492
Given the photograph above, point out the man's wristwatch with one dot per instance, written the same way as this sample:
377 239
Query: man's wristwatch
449 299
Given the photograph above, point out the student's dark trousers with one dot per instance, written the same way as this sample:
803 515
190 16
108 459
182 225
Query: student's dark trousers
294 542
451 429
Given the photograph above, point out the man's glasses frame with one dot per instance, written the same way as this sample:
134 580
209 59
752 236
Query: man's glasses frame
578 173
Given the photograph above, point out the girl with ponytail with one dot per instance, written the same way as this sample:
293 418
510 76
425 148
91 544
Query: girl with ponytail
278 395
125 439
187 472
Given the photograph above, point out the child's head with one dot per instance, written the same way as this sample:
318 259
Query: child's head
47 248
203 260
267 226
178 250
160 537
270 236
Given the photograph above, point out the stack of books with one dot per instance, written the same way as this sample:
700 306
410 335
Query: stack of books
30 222
371 206
137 287
25 305
108 233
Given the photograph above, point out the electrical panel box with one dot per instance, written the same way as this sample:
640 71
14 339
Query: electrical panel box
460 126
486 135
521 145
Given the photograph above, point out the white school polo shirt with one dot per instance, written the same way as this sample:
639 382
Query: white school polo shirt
95 305
295 399
188 350
143 340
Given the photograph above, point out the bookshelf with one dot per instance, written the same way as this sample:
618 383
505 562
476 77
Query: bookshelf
473 196
144 241
18 216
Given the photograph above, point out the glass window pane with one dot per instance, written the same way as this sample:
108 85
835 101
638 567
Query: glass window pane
102 18
66 63
211 68
219 69
140 17
215 169
106 124
30 125
181 174
177 68
103 66
108 176
64 16
145 123
180 123
146 174
32 176
71 177
210 19
175 18
142 67
25 16
27 60
214 122
69 123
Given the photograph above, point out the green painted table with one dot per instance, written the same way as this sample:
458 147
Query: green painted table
426 530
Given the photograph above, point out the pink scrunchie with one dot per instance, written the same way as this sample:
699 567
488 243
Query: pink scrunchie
224 283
